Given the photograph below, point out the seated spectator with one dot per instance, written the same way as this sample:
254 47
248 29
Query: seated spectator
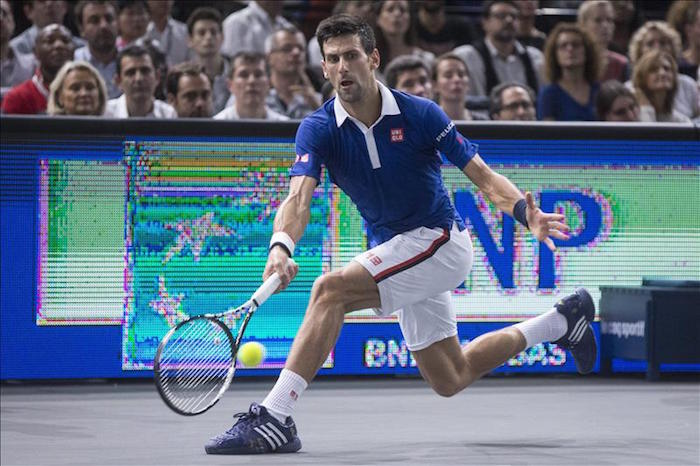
160 61
655 80
77 89
168 32
500 57
626 21
41 13
205 39
15 67
97 22
394 34
528 34
247 29
53 47
360 8
658 35
292 93
250 86
451 82
409 74
189 91
137 78
615 102
438 33
572 65
684 16
512 101
597 18
133 17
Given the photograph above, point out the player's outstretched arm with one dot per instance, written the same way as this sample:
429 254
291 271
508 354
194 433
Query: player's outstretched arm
290 222
504 195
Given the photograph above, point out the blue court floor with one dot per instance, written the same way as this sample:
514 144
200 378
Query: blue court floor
562 420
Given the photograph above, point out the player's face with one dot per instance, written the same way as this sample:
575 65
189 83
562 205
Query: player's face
452 80
348 67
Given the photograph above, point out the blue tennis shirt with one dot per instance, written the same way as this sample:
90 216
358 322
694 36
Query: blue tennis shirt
391 170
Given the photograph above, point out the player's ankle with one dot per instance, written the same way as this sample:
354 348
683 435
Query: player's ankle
282 417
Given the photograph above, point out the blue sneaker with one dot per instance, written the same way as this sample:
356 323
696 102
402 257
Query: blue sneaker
256 431
579 310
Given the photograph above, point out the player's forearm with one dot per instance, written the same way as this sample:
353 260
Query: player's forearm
502 193
293 216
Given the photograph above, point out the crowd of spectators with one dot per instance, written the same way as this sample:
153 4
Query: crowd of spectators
132 58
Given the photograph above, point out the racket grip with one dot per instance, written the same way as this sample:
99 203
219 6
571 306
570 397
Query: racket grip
266 289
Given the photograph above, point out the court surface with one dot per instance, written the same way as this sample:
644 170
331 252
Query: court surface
560 420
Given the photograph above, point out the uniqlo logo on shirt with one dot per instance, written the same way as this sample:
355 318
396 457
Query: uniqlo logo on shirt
396 134
375 260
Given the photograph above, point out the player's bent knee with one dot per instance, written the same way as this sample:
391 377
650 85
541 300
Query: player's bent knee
448 388
328 288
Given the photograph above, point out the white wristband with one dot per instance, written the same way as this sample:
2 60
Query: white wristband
283 239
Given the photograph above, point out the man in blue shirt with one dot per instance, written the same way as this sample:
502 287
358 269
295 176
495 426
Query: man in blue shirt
382 147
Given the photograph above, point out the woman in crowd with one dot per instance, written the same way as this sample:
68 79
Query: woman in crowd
451 84
572 66
77 89
684 16
658 35
615 102
655 82
393 32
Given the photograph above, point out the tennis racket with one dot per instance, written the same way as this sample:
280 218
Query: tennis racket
196 359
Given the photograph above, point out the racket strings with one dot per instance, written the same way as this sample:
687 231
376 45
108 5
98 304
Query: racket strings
194 364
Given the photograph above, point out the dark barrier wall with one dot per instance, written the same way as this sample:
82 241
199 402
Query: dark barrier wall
112 231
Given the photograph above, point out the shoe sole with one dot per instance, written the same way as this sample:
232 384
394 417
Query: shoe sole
291 447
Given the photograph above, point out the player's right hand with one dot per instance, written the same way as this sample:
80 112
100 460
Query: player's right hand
279 261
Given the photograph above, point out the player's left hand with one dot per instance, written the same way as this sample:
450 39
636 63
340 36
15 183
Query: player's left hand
545 226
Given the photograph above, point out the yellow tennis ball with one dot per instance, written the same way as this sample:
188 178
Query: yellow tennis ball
251 354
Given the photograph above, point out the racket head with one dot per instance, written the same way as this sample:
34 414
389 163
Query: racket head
194 365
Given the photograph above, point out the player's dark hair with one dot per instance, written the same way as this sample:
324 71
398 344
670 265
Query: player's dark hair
496 97
401 64
342 25
204 13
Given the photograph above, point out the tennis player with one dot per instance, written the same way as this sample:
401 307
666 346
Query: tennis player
382 148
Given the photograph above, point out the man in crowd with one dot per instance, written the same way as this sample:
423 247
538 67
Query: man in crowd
97 22
292 92
41 13
205 39
133 18
168 32
137 78
189 91
410 74
512 101
250 86
248 28
500 57
53 47
439 33
15 67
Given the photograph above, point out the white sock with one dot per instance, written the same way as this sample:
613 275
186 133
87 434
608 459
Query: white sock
284 395
549 326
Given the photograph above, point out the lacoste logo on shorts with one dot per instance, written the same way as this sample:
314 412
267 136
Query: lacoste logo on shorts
396 134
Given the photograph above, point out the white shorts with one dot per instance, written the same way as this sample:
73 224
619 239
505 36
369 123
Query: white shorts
416 272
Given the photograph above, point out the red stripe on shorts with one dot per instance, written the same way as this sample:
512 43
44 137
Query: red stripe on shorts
428 253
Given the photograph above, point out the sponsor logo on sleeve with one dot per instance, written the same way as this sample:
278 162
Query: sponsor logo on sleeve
444 132
302 158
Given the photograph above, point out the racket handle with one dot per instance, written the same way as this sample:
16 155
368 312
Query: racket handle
266 289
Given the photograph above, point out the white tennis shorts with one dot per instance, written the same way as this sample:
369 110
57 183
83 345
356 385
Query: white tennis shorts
416 272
